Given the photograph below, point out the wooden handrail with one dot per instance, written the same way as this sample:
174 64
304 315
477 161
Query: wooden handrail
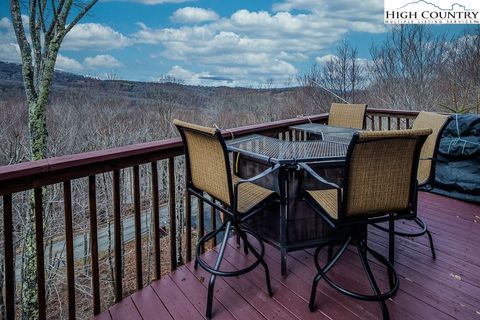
28 175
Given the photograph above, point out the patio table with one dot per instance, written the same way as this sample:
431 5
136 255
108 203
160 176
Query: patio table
294 225
325 132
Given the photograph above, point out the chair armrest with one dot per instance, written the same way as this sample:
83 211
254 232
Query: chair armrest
258 176
317 177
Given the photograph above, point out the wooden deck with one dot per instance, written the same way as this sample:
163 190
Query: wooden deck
445 288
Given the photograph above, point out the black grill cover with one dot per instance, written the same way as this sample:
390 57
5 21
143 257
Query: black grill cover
458 167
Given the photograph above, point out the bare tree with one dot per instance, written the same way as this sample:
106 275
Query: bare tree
48 26
339 78
405 68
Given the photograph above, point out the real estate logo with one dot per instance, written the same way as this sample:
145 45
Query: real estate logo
432 12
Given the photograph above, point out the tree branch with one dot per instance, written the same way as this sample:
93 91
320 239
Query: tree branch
80 15
25 50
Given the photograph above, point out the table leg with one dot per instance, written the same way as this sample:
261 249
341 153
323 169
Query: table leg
283 262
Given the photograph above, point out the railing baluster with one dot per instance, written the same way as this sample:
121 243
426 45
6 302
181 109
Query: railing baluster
9 258
389 123
188 225
201 222
213 222
380 128
138 226
117 221
408 123
67 203
42 306
373 123
92 203
156 220
173 220
399 122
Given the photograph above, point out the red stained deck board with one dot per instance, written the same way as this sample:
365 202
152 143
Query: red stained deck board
174 300
105 315
236 304
125 310
194 289
256 291
281 294
149 304
447 288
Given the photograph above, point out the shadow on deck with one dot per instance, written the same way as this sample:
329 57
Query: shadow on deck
445 288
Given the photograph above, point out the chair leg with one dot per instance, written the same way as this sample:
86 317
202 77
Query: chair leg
362 252
283 262
237 234
216 267
323 271
432 248
391 248
430 239
330 252
262 261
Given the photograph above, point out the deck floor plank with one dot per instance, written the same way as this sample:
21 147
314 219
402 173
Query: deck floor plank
445 288
174 300
300 283
125 310
234 302
253 285
195 290
149 304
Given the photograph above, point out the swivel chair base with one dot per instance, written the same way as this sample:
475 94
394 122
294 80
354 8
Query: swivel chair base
215 270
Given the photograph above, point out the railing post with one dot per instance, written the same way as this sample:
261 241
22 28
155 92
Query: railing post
9 258
156 220
138 226
42 306
201 222
118 236
188 225
173 220
67 203
92 203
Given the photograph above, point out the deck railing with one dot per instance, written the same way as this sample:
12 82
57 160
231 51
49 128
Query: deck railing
63 170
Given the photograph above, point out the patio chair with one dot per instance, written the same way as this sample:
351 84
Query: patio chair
208 171
347 115
380 185
426 167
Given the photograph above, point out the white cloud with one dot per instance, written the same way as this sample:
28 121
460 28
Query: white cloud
194 15
68 64
326 58
102 61
9 52
5 23
94 36
362 62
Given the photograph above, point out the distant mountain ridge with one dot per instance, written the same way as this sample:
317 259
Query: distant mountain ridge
134 93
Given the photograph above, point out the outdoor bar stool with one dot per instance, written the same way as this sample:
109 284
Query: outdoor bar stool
208 171
380 185
347 115
426 167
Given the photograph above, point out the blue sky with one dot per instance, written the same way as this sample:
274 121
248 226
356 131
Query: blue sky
213 42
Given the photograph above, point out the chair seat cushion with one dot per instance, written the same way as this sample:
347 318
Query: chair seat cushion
327 199
250 195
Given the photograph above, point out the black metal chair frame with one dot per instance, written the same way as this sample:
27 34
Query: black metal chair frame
234 221
426 186
353 230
